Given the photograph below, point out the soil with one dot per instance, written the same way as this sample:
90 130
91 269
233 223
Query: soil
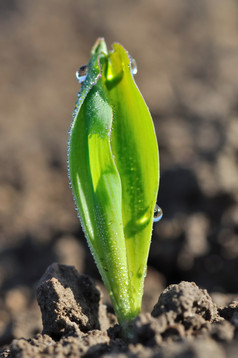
187 54
77 323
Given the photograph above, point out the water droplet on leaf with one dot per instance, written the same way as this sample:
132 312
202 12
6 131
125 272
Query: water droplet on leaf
81 73
158 213
133 66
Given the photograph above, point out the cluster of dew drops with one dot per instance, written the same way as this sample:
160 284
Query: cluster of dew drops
82 72
81 75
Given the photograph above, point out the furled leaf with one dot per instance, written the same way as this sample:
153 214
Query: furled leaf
114 172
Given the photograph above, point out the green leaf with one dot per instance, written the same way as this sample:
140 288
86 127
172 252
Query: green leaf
114 172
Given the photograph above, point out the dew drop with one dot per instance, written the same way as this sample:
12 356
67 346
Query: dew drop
133 66
158 213
81 73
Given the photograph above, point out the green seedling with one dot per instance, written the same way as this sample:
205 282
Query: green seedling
114 173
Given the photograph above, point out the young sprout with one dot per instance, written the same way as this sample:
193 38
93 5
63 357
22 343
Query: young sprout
114 173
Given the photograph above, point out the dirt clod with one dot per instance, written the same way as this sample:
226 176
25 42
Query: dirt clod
68 301
187 305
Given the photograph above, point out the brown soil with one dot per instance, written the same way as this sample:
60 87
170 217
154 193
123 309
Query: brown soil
187 55
185 322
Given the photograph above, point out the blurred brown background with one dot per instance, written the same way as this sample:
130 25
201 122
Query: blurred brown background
187 57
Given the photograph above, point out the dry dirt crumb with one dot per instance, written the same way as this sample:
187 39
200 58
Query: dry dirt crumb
222 331
230 313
